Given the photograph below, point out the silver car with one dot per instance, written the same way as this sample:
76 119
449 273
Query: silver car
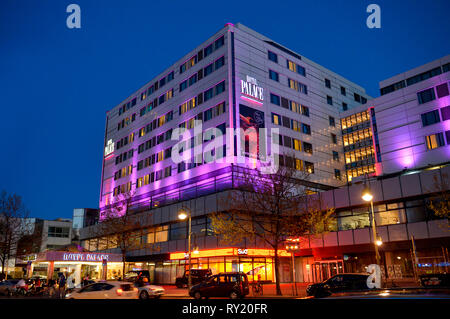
150 291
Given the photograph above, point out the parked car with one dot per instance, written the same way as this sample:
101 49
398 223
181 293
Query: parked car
197 276
229 284
105 290
133 274
150 291
338 283
435 280
8 287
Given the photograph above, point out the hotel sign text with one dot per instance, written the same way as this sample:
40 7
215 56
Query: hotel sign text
250 88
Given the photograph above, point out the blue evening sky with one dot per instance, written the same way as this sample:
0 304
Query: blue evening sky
56 84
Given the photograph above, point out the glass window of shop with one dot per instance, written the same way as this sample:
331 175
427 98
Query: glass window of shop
256 268
359 218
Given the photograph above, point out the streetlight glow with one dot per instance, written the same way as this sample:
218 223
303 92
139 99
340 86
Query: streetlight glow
182 215
379 242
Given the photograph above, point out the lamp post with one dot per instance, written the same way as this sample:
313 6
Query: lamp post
183 214
368 197
292 248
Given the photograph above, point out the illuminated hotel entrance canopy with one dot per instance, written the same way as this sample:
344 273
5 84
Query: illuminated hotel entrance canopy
252 252
65 256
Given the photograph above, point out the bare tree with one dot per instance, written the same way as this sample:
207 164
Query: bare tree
440 201
271 207
14 224
119 228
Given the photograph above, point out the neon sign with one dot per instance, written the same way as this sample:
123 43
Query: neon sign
251 90
242 251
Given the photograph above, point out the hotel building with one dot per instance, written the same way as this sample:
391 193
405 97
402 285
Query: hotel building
235 79
405 128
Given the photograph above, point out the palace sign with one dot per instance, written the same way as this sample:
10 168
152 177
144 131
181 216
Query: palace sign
251 90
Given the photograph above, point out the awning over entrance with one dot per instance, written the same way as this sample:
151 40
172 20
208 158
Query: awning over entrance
251 252
77 256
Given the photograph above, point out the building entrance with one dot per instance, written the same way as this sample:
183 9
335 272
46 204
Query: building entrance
324 269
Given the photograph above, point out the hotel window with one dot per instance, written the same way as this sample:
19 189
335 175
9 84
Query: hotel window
208 94
219 63
426 96
188 64
183 85
273 75
329 100
305 110
220 88
331 120
193 79
162 233
295 85
170 76
333 138
162 82
295 67
275 119
168 171
344 106
297 144
435 141
357 97
423 76
335 156
430 118
286 121
307 148
62 232
219 42
343 91
306 129
309 167
445 113
337 174
442 90
208 50
298 164
275 99
208 70
272 56
328 83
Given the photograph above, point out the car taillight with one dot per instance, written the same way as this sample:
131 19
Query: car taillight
135 289
119 292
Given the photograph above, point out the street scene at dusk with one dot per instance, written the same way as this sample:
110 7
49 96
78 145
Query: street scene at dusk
257 152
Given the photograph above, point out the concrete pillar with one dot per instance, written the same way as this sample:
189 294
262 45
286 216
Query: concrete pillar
50 268
77 275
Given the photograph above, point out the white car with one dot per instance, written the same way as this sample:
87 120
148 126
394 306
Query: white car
105 290
150 291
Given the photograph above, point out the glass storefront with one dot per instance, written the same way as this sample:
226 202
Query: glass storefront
256 268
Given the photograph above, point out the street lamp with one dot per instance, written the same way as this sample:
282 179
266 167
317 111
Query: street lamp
368 197
183 214
292 245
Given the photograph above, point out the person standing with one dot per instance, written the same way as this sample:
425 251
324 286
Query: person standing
61 286
71 282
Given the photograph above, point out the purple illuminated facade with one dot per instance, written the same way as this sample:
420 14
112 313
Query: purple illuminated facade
406 128
241 79
233 70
